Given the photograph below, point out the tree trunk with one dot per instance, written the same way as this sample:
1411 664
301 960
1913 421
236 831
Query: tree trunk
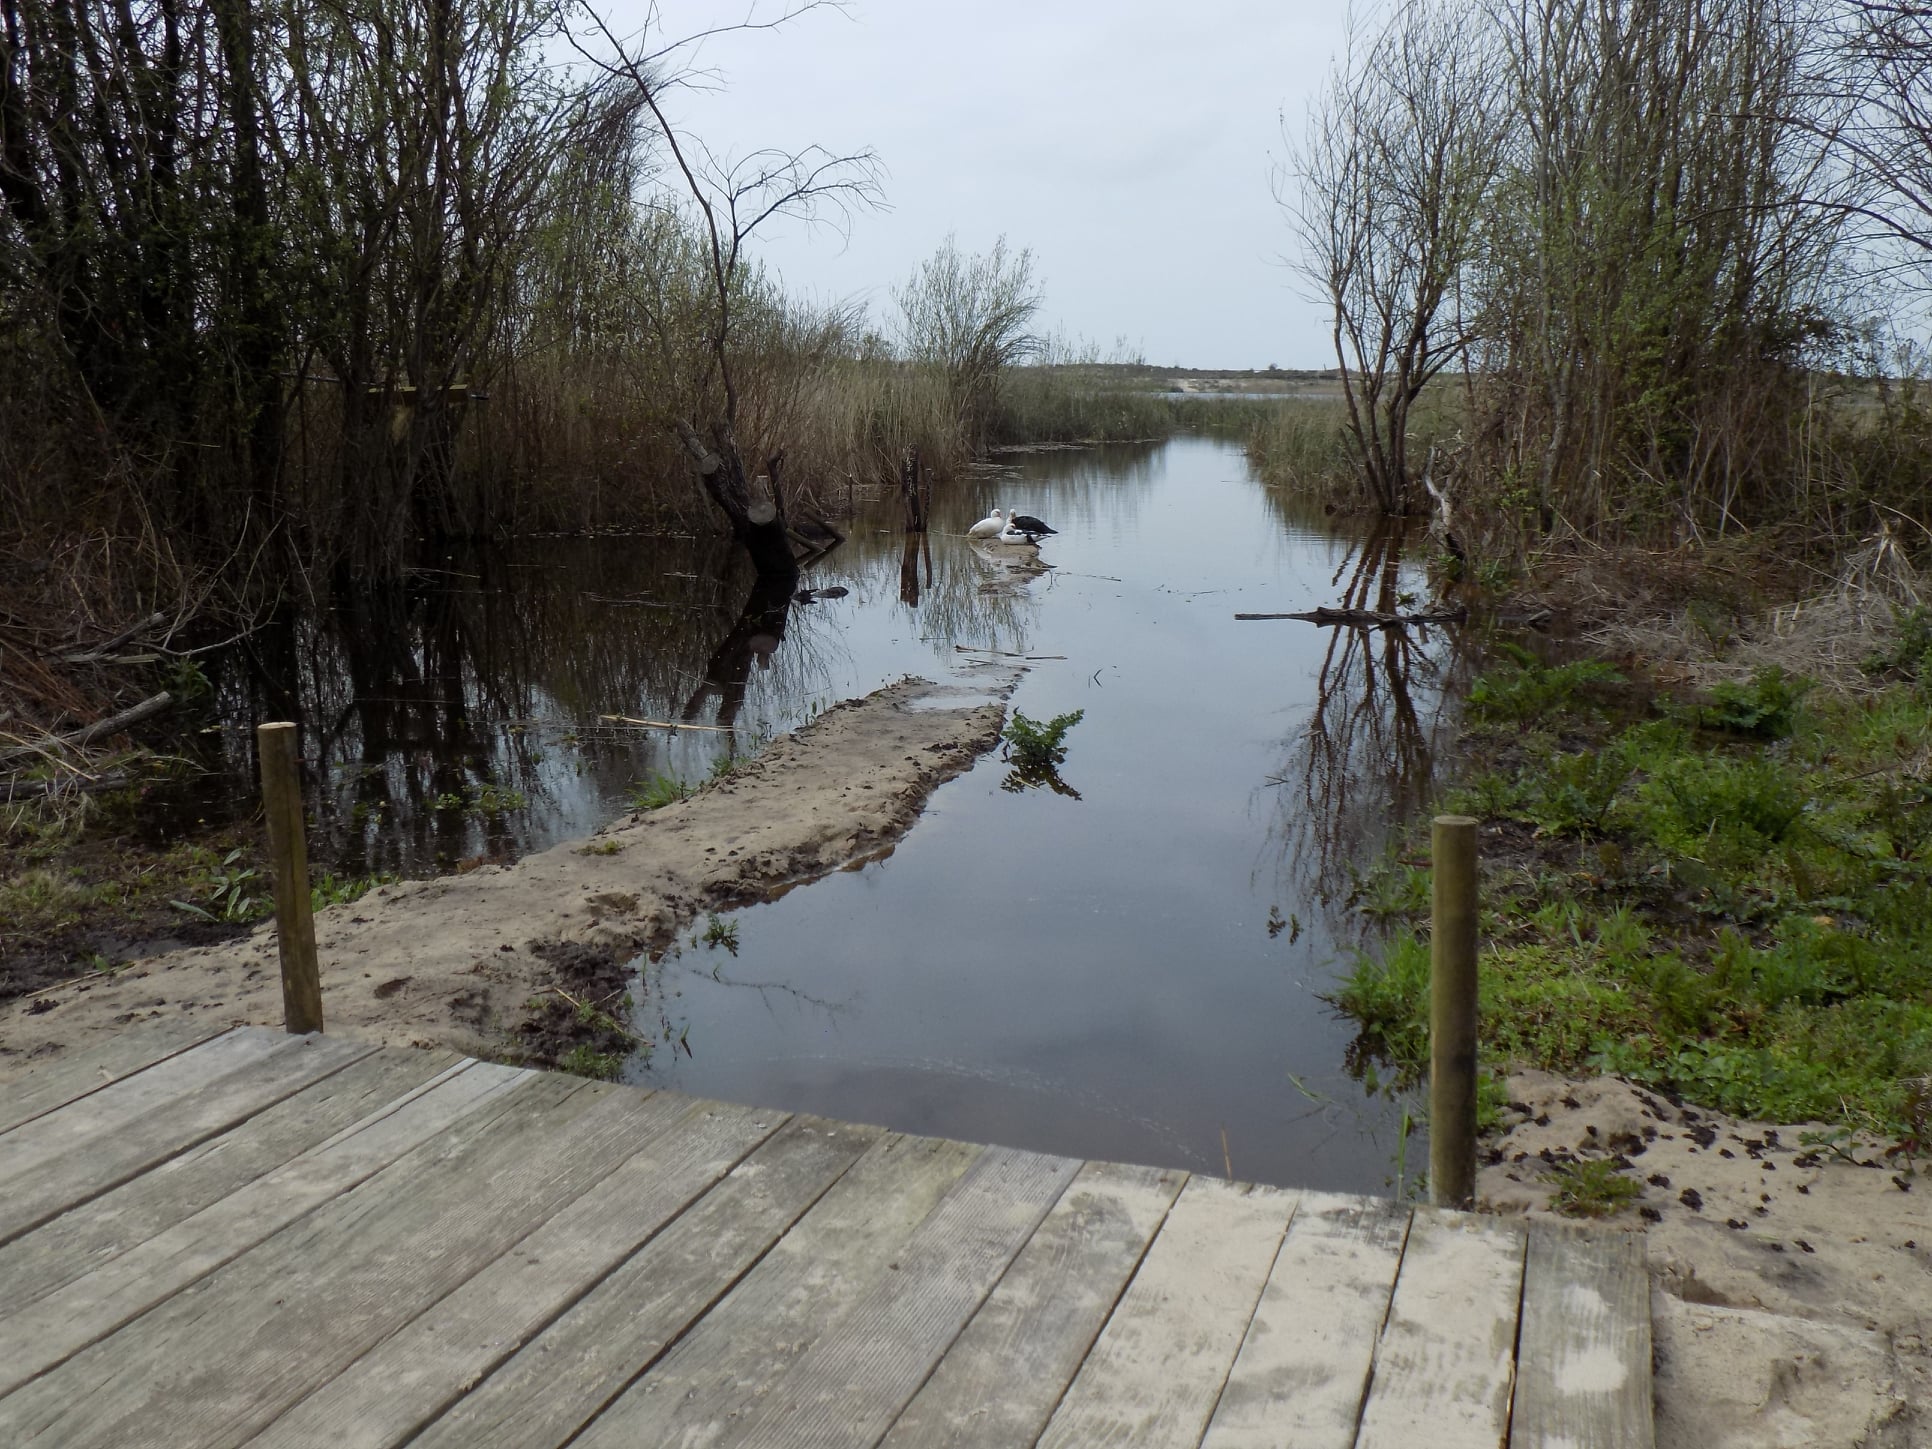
757 523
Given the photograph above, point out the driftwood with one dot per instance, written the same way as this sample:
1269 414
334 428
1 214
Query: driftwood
661 724
14 790
1367 618
100 652
100 730
1003 653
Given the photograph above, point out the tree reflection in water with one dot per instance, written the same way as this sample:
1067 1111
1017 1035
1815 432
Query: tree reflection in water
753 639
1365 761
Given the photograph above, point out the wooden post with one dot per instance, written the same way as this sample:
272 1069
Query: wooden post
288 845
1452 1016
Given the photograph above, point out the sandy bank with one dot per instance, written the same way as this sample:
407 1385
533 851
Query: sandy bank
1791 1283
452 961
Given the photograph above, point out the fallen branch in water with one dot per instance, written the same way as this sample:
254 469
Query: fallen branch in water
661 724
100 730
16 790
1367 618
1003 653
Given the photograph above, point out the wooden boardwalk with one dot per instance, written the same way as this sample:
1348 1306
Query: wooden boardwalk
251 1238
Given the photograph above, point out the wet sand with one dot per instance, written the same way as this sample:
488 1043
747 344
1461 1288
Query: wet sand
454 961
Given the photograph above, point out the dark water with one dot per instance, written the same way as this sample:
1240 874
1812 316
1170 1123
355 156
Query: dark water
1132 973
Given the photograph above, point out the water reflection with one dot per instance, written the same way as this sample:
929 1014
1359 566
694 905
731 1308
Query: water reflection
490 705
1111 973
1385 704
1108 974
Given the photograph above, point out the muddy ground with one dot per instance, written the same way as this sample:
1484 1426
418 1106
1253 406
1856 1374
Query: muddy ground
511 961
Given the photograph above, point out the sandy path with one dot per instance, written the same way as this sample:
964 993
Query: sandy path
448 962
1791 1288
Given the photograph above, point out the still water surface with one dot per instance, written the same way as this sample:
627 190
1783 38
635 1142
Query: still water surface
1134 971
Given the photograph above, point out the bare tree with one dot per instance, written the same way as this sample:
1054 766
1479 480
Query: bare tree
413 143
733 198
1884 69
1387 190
1653 279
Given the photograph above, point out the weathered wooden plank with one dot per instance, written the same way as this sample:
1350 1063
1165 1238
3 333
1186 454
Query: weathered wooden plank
702 1388
106 1160
1583 1371
559 1381
59 1080
849 1386
1000 1380
1444 1363
84 1239
1157 1369
64 1322
404 1382
1303 1369
215 1366
66 1129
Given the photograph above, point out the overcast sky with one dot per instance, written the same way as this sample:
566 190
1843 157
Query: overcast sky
1128 144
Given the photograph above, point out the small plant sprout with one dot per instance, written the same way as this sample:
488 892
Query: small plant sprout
235 893
718 932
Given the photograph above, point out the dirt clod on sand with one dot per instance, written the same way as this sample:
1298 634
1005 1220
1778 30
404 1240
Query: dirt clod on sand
1791 1276
450 962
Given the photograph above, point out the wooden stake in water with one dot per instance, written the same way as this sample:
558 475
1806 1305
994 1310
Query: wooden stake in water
1452 1016
288 847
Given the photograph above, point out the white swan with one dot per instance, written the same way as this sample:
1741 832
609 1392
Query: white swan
990 526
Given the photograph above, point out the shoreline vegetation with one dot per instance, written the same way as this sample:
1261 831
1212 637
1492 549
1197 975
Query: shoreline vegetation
1704 871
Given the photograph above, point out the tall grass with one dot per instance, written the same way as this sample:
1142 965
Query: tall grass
1303 447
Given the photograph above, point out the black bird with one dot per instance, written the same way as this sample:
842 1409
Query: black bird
1027 524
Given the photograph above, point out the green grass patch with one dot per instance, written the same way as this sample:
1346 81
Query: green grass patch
1727 897
658 791
1593 1189
330 889
586 1061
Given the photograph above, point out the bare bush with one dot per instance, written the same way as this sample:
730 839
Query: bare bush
966 318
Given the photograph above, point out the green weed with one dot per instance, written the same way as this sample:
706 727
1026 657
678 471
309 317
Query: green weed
331 889
1036 750
1524 692
45 900
1908 655
718 932
658 791
1591 1189
484 799
234 893
1037 746
1574 794
1766 707
587 1061
605 846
